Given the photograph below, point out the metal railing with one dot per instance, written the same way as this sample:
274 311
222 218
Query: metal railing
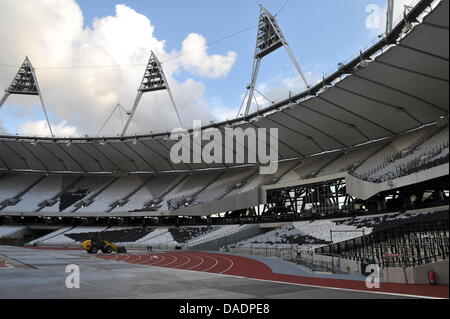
314 262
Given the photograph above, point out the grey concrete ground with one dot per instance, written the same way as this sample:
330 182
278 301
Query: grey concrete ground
44 276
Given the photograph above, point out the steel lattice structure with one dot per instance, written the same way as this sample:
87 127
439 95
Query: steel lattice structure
25 83
153 80
394 88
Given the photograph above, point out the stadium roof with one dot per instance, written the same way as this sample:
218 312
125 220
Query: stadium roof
399 84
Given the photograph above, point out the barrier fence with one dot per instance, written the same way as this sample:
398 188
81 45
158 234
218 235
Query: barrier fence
314 262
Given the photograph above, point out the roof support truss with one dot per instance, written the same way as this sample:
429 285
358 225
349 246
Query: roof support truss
269 38
25 83
154 80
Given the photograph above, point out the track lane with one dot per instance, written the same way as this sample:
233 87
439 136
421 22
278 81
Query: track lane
145 259
223 265
194 260
214 260
133 259
249 268
188 260
157 259
173 260
202 261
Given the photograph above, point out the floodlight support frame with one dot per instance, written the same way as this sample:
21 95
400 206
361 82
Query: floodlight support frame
153 65
281 41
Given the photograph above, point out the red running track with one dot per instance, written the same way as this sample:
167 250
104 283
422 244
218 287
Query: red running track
250 268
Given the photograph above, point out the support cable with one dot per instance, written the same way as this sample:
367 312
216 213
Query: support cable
107 120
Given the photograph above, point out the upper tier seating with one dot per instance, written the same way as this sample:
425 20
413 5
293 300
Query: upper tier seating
310 235
13 184
116 236
50 186
63 239
7 231
384 160
412 159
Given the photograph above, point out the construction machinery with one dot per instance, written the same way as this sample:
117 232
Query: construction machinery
96 243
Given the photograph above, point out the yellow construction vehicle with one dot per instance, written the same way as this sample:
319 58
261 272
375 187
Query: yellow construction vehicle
96 243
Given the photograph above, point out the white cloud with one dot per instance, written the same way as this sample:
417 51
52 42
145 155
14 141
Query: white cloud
400 6
194 57
40 128
376 19
221 111
51 33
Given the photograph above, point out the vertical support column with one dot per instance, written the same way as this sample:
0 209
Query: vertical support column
172 100
390 16
251 88
130 117
41 99
4 98
297 66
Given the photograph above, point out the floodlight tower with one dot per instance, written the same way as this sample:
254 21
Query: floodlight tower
390 16
269 38
154 80
25 83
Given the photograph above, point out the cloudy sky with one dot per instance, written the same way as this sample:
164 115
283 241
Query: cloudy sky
91 55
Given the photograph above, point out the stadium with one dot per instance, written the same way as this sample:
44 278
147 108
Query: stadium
362 180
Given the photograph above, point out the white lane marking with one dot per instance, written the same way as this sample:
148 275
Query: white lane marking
217 261
126 258
114 258
337 288
162 259
165 265
303 285
202 261
139 257
189 260
232 264
145 260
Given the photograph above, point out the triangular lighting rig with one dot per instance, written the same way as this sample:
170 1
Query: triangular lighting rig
269 38
154 80
25 83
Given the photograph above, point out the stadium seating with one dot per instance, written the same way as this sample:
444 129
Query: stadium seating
310 235
137 237
53 234
217 233
429 148
49 186
117 189
7 231
380 161
60 238
14 184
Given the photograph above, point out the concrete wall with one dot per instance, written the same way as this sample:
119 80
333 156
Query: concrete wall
416 275
398 275
441 269
364 190
341 265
